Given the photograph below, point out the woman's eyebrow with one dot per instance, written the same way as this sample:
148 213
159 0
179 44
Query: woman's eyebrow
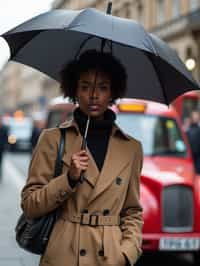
104 82
84 81
90 82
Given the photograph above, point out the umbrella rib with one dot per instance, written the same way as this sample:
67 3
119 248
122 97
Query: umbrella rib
158 77
13 52
82 45
153 47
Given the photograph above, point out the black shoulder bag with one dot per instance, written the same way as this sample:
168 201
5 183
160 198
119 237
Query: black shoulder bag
33 235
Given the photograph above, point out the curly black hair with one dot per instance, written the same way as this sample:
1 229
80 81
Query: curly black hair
94 60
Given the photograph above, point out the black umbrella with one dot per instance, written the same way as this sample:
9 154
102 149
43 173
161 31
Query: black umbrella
48 41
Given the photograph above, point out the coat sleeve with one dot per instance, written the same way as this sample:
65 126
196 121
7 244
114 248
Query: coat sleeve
131 215
42 192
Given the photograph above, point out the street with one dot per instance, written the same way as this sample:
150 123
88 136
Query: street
15 167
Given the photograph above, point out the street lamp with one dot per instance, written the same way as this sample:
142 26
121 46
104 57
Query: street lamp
190 61
190 64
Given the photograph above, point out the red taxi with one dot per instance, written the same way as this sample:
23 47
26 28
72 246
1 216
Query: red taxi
169 187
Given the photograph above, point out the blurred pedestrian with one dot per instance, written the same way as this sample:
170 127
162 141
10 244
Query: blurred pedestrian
101 220
193 133
36 131
3 142
186 124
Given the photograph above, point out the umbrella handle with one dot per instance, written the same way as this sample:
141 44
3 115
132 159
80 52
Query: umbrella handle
82 178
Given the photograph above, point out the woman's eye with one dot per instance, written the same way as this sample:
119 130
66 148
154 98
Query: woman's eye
84 88
104 88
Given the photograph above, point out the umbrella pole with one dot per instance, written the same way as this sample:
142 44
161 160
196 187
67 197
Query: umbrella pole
83 146
109 8
108 11
84 143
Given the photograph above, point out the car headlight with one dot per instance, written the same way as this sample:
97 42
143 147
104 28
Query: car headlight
12 139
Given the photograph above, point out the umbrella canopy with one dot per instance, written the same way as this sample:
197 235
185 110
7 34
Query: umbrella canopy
49 41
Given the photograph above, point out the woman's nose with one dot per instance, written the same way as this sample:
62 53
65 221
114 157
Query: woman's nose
94 94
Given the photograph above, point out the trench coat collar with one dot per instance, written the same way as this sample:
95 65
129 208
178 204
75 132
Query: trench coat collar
74 126
116 158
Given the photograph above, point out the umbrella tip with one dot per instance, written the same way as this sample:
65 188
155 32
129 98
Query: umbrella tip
109 8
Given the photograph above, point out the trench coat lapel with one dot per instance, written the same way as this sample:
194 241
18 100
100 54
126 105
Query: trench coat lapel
117 157
92 172
73 145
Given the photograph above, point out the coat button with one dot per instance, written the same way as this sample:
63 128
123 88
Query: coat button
82 252
101 253
63 193
106 212
118 180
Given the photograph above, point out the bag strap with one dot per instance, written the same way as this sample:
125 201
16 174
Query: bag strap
59 163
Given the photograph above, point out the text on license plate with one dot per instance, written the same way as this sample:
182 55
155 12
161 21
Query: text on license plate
179 244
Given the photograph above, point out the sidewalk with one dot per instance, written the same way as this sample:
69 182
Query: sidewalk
10 253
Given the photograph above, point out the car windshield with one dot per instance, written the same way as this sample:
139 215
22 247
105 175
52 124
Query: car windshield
22 129
159 135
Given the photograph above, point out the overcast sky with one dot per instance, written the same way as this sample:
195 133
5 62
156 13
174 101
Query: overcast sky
14 12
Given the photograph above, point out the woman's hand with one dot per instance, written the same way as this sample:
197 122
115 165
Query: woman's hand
123 260
79 163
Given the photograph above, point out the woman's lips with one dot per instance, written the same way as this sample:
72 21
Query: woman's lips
93 107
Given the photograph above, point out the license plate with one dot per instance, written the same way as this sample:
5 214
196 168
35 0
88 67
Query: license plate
179 244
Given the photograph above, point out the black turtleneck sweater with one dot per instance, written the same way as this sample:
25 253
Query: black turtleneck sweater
98 133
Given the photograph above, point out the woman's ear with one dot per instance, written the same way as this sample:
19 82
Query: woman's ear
111 101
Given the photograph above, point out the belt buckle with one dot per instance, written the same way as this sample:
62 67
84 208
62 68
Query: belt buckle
96 220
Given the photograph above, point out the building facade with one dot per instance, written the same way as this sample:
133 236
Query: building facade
25 88
175 21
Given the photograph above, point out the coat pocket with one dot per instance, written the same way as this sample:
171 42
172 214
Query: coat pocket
55 236
112 246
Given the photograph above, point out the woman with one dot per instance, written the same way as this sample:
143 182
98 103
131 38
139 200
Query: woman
101 219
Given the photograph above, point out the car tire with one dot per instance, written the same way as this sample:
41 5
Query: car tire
196 258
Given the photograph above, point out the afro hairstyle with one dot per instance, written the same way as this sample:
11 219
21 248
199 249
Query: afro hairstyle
93 60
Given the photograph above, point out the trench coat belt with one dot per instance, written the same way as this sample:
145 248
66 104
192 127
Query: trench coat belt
93 219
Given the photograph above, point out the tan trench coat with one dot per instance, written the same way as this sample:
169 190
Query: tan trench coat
114 190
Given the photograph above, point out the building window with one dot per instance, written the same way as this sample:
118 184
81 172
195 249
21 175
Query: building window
175 8
160 11
127 10
194 4
140 11
117 13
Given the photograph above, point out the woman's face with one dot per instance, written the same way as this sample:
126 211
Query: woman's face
94 101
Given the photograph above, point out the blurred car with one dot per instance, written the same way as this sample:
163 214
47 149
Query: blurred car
169 186
19 133
59 110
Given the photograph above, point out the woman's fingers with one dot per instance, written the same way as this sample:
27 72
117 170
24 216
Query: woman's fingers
80 156
79 163
82 153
